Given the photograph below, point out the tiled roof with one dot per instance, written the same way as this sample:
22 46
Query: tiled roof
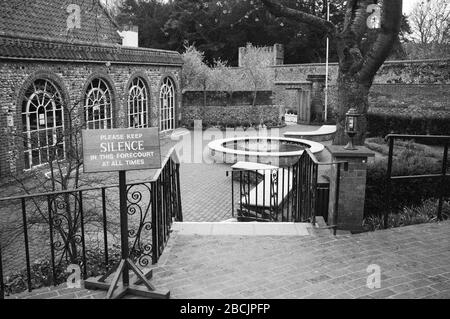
16 48
48 19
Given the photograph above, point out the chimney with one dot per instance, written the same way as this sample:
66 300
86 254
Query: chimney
242 51
278 50
130 35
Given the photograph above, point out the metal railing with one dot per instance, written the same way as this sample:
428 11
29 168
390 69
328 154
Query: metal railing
152 207
286 194
443 176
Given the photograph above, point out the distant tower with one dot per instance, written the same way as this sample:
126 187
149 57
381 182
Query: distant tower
277 52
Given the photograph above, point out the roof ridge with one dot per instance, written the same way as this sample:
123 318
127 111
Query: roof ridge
43 40
22 48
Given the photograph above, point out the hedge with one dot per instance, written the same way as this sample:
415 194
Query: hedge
382 124
404 192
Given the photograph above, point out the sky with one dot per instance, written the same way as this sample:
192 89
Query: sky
408 5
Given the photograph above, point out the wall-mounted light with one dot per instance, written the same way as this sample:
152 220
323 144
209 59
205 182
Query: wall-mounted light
351 127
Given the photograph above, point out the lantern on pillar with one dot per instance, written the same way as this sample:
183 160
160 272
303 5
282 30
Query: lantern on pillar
351 127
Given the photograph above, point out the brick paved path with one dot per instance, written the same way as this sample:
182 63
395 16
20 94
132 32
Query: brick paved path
414 263
206 192
205 188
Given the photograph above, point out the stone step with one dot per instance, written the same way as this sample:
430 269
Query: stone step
242 229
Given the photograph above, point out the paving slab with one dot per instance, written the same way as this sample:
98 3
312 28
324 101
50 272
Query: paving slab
241 229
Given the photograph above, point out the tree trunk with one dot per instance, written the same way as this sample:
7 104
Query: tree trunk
351 93
255 92
357 66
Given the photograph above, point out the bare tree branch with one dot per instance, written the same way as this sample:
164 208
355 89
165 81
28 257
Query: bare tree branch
280 10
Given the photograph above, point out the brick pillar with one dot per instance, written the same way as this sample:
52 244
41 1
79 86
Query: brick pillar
352 188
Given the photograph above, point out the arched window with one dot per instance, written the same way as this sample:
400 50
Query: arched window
98 106
138 104
167 105
42 123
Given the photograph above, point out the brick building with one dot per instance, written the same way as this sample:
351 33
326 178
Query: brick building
63 55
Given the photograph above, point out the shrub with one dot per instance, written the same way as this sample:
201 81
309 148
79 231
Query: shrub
413 215
380 145
42 274
382 124
404 192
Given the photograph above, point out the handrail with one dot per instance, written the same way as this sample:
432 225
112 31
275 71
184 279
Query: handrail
153 180
427 137
165 185
443 176
304 202
311 154
316 161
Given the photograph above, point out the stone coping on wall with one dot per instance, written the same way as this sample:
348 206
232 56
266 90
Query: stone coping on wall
292 82
340 151
385 63
218 146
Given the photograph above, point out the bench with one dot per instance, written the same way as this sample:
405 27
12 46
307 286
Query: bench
324 133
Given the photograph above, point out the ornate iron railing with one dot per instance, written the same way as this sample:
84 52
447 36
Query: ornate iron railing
287 194
72 217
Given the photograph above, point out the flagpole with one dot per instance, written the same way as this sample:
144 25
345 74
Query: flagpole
327 66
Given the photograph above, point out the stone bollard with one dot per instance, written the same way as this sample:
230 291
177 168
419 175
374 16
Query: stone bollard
352 188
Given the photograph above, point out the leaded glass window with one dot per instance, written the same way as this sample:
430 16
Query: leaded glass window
167 105
138 104
42 124
98 105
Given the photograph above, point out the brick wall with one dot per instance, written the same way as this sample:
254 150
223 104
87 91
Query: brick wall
417 84
73 79
420 98
400 72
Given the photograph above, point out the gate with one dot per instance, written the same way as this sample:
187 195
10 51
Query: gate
286 194
304 107
299 100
